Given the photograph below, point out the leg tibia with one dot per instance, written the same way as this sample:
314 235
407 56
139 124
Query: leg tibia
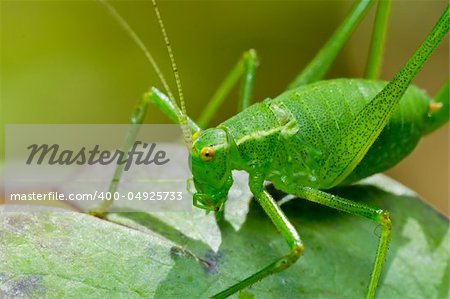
375 59
285 228
245 68
137 118
320 64
250 62
277 266
377 215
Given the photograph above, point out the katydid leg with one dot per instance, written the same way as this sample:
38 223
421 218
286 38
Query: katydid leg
137 118
358 136
289 233
320 64
250 63
378 40
377 215
245 68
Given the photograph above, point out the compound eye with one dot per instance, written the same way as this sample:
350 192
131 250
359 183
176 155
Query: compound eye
207 153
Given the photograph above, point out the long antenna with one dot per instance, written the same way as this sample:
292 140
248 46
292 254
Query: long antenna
138 42
124 24
184 118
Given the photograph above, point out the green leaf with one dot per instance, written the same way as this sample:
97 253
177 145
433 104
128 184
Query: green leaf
54 254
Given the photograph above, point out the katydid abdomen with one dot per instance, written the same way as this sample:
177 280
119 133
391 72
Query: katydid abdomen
288 138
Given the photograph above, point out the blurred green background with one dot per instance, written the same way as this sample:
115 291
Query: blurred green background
70 62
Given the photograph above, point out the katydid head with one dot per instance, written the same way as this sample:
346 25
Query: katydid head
211 169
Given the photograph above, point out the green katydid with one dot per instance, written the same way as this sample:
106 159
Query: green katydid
315 136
